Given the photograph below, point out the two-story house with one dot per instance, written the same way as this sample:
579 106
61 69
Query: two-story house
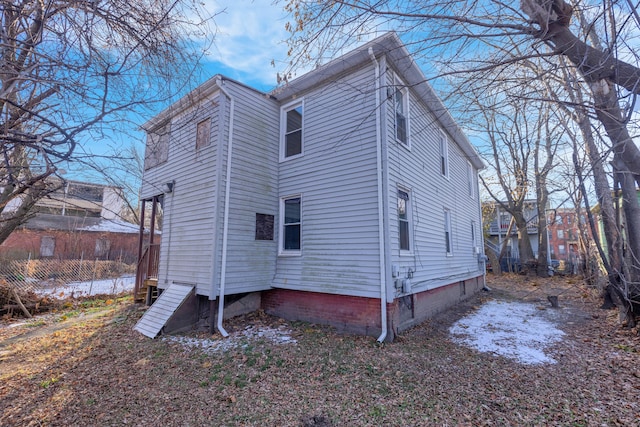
347 197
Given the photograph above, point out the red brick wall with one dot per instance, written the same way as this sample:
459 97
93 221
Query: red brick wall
361 315
70 245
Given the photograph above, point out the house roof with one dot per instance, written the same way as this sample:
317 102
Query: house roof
76 223
390 45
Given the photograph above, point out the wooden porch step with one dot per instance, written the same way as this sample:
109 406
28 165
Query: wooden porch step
141 296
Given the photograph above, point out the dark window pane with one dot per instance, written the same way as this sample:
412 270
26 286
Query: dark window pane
294 119
401 128
404 235
292 211
293 143
292 237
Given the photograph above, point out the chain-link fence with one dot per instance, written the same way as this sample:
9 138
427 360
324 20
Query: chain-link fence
40 273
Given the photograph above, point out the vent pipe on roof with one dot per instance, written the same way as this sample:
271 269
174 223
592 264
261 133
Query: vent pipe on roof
381 240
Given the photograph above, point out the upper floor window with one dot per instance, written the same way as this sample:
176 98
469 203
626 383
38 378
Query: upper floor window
401 102
291 125
203 133
291 229
444 155
157 149
471 180
403 220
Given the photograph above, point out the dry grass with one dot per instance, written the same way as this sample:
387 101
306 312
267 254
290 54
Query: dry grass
90 368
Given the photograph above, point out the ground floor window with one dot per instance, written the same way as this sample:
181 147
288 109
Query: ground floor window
291 218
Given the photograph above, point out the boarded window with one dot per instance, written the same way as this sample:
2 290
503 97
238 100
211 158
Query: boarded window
102 248
47 246
157 149
203 135
264 226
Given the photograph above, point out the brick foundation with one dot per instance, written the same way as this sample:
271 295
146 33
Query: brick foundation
361 315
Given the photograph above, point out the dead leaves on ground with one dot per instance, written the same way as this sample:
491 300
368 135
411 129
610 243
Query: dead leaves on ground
98 371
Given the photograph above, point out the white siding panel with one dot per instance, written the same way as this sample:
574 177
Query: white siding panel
418 170
337 179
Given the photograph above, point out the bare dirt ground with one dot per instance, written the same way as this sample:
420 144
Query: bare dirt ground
86 366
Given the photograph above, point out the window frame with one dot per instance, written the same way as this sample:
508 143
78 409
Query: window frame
399 86
282 224
283 129
408 220
474 243
471 180
448 233
444 154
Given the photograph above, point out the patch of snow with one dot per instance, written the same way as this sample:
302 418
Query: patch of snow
113 226
96 287
511 329
240 339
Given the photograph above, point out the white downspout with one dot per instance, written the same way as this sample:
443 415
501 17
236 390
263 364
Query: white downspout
383 267
225 220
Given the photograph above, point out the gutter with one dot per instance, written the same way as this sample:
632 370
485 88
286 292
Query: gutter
381 240
225 220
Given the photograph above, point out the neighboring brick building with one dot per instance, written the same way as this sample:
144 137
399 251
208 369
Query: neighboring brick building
80 220
564 236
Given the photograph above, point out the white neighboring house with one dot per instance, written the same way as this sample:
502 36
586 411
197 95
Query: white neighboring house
348 197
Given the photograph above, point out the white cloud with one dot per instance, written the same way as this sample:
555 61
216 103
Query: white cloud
250 34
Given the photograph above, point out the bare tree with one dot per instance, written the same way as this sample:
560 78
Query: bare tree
69 68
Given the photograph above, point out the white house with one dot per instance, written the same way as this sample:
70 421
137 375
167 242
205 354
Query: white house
348 197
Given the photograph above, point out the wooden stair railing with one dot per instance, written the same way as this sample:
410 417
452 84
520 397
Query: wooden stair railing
146 286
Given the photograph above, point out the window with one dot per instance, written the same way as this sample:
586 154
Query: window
401 104
560 234
291 129
203 134
470 180
473 237
444 155
47 245
102 248
290 214
561 250
448 238
403 220
157 149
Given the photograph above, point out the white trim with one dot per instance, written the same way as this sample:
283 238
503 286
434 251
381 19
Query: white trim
281 250
283 129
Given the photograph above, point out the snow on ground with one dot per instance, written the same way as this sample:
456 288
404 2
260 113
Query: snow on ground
241 339
92 287
511 329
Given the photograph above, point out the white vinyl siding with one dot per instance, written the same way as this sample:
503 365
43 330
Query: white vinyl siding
337 178
421 170
193 224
